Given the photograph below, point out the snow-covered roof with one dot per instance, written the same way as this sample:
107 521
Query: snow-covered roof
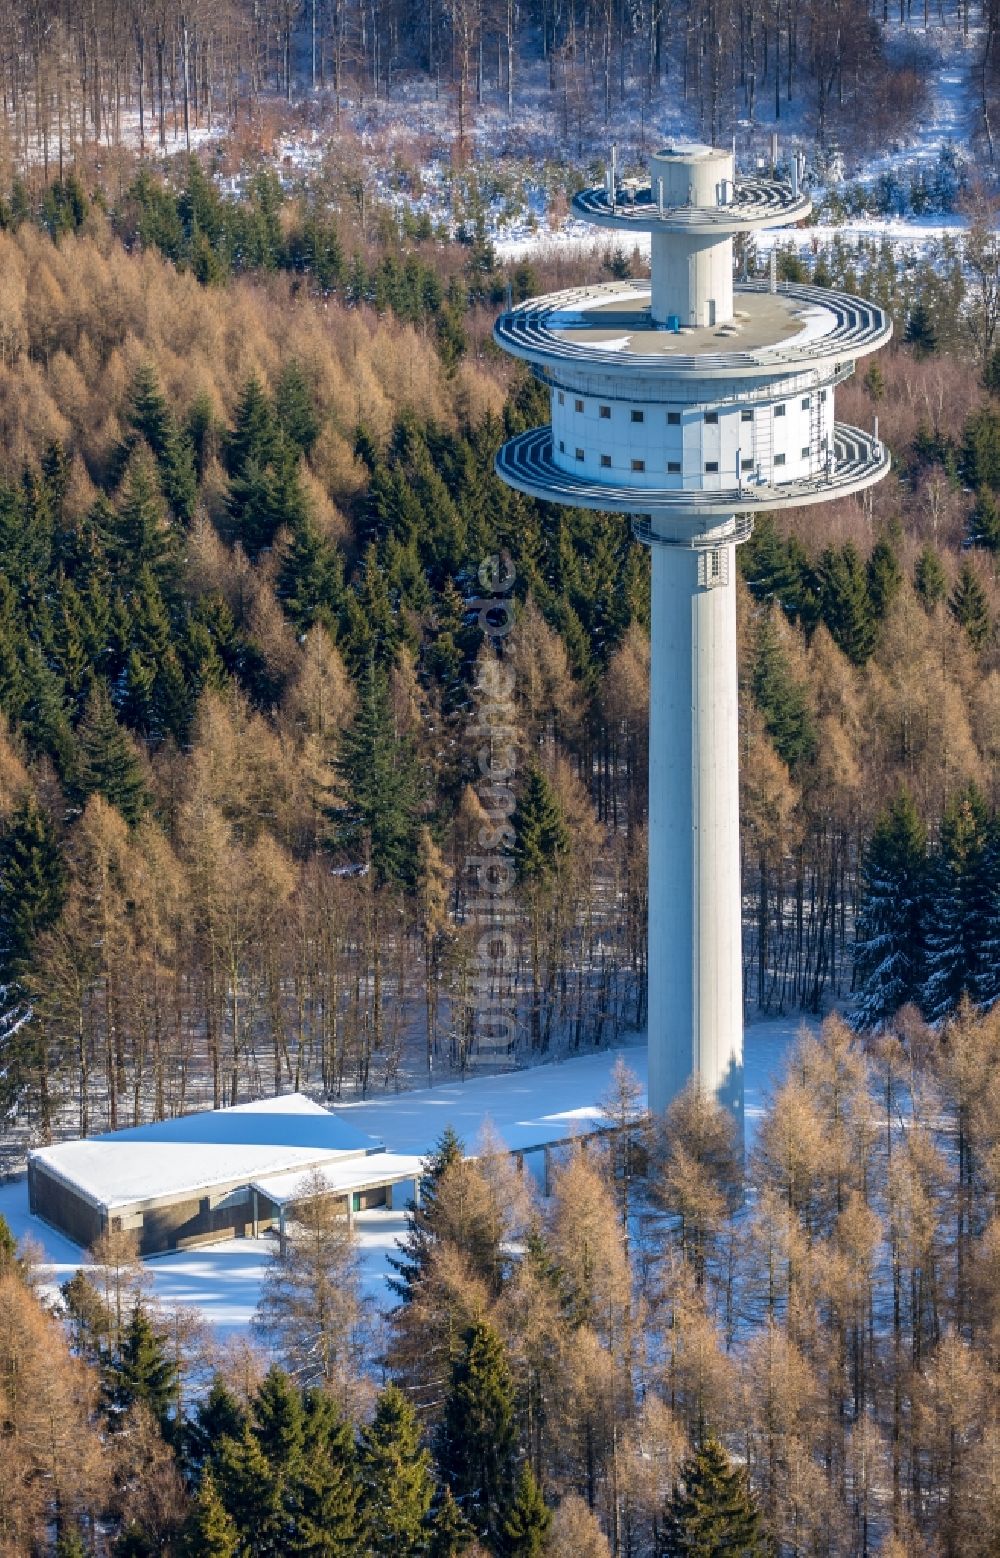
532 1108
380 1168
168 1159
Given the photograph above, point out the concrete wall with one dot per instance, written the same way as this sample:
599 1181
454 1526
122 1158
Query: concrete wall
63 1207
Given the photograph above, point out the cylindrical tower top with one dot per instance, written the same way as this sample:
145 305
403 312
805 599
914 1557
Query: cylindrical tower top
692 176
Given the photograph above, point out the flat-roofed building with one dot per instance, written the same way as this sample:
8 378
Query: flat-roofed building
186 1181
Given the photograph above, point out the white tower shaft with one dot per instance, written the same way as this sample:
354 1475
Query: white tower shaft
695 964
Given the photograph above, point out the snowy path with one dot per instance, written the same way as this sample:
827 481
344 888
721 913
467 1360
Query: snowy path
222 1281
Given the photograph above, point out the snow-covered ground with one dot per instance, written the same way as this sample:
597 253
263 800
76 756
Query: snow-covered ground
222 1281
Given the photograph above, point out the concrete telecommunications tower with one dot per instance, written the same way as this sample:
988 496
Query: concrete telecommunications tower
691 404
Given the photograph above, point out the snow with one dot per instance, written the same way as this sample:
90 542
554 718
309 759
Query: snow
194 1152
380 1168
544 1104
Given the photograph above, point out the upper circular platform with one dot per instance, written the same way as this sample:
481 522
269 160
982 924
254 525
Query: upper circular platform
739 206
610 328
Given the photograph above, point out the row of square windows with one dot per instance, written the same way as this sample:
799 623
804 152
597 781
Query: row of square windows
674 417
747 461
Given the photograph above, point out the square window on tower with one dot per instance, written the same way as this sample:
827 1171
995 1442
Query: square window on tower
779 411
638 465
578 405
562 398
638 416
673 419
806 402
606 461
711 416
579 454
746 462
805 452
711 466
606 413
746 416
674 467
562 446
779 459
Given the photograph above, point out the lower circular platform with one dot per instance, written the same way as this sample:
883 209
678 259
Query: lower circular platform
526 463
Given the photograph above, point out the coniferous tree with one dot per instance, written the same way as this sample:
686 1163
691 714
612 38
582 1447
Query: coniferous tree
310 583
528 1522
422 1219
153 420
541 834
984 522
296 409
253 1492
781 700
712 1511
396 1478
958 905
969 606
142 1371
210 1531
323 1495
32 884
477 1437
846 603
984 976
885 577
450 1532
108 764
216 1417
929 578
381 817
889 949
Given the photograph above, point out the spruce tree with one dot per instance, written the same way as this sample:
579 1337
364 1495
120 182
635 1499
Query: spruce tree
845 602
540 831
278 1420
929 578
210 1531
885 577
217 1416
323 1495
152 419
984 522
984 976
142 1372
310 583
969 606
380 819
108 764
958 904
526 1527
32 884
477 1438
296 409
253 1492
781 699
142 537
712 1511
422 1219
396 1478
889 948
450 1532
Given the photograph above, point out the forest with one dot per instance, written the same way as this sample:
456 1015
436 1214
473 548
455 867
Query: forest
79 82
247 496
653 1361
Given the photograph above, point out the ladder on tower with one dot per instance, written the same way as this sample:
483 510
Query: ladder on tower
763 444
817 454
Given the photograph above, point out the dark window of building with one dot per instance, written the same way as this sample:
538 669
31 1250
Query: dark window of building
605 460
779 411
711 466
638 465
579 454
562 398
562 447
638 416
578 405
746 463
779 459
673 419
822 396
806 402
805 452
606 412
746 416
711 416
674 467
